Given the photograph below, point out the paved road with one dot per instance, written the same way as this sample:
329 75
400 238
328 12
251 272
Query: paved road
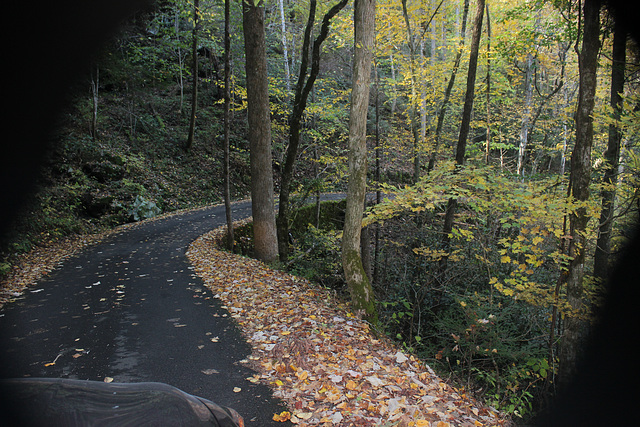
131 308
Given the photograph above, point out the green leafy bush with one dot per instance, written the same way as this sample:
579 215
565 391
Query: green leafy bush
143 208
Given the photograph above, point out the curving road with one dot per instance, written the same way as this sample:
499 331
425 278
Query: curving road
130 308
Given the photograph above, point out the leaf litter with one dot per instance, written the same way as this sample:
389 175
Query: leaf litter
321 360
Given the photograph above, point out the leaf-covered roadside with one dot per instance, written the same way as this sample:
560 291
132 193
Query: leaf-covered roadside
28 268
323 362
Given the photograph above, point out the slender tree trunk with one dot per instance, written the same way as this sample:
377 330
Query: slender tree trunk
303 88
287 72
259 121
194 94
487 148
227 124
574 331
449 89
464 125
612 156
413 109
95 95
362 295
180 63
526 117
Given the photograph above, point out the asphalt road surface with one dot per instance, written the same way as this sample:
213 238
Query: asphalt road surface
130 308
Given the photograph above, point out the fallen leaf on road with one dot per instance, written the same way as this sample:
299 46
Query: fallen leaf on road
108 379
282 417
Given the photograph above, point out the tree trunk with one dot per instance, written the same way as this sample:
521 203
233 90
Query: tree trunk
95 91
180 63
287 72
487 147
194 94
573 335
465 124
526 117
303 88
378 156
227 118
612 156
449 89
362 295
259 121
413 109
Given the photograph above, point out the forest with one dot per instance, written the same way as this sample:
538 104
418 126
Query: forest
486 149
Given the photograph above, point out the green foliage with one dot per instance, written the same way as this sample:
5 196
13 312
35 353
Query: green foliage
143 208
316 256
485 318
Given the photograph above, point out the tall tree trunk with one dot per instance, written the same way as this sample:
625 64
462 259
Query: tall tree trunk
362 296
180 61
573 335
259 121
487 147
303 88
95 96
378 156
413 109
465 124
449 89
194 94
612 156
227 124
526 117
287 72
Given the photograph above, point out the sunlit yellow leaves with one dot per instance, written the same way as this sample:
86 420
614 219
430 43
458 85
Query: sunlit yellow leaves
282 417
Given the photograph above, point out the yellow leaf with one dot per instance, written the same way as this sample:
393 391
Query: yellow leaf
422 423
351 385
505 259
282 417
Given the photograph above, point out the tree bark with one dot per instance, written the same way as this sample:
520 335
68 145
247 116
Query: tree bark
259 121
526 117
449 89
465 124
287 72
413 109
487 147
612 156
573 335
95 95
362 295
194 94
227 118
303 88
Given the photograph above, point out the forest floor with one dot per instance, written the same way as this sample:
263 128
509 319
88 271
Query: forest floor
329 367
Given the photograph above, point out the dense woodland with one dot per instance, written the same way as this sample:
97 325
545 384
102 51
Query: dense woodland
501 158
